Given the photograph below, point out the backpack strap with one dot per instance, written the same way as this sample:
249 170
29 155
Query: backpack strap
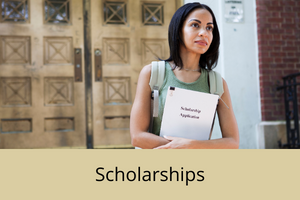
215 87
157 74
156 81
215 83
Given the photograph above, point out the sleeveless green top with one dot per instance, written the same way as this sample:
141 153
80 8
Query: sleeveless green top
200 85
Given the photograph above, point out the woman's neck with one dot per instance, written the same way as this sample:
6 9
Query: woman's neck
190 60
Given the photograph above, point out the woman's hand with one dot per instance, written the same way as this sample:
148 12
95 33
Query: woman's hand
175 143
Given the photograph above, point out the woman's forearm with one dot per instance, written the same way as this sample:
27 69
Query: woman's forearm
146 140
221 143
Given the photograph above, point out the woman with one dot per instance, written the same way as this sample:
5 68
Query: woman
194 49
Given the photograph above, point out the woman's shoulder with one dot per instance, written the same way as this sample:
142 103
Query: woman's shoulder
146 71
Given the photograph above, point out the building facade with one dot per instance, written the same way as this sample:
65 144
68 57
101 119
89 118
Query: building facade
255 54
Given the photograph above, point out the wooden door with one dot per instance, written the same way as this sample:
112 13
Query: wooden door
41 103
126 35
44 98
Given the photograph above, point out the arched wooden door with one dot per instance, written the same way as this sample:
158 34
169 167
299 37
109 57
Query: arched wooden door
43 66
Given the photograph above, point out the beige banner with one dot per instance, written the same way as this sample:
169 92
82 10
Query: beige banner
200 174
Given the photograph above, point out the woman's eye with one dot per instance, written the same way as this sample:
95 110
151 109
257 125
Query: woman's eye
195 25
209 28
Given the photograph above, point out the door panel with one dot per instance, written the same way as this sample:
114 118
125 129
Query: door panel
129 34
41 104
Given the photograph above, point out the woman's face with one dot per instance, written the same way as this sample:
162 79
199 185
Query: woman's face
197 31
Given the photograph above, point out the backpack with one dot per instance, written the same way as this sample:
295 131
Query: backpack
157 79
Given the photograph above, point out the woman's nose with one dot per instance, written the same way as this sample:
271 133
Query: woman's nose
202 32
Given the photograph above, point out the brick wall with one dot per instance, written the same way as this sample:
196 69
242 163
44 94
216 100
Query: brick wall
278 24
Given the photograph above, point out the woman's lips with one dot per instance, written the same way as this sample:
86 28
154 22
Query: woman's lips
201 42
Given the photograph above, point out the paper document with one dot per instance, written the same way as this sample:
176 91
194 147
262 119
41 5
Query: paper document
188 114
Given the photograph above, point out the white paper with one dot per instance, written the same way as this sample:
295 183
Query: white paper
188 114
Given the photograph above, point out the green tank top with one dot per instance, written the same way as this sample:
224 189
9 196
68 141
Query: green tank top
200 85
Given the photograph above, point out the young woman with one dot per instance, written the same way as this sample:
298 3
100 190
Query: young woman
194 49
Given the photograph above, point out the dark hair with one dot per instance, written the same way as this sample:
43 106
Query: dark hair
209 59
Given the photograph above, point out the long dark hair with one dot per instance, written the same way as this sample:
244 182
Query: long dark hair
209 59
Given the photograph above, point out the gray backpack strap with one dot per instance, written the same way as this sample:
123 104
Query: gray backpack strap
157 74
156 81
215 87
215 83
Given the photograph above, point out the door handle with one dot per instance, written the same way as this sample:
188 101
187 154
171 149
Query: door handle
98 65
78 64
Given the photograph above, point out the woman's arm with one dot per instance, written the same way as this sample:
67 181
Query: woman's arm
140 115
229 129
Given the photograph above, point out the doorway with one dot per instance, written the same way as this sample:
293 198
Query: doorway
69 69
